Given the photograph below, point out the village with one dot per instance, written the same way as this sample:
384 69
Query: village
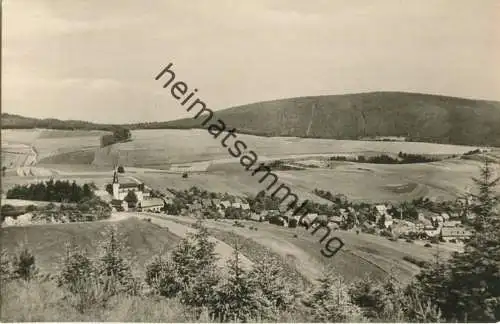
421 220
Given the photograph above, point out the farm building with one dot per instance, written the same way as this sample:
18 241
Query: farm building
255 217
119 205
445 216
152 205
336 219
431 231
388 221
449 233
452 223
309 218
225 204
216 203
206 203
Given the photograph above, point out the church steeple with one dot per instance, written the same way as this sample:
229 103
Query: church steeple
115 177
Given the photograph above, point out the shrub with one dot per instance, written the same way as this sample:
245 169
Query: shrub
428 245
23 265
120 169
185 175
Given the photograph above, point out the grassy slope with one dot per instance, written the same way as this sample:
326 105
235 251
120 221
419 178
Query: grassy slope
362 254
47 241
419 116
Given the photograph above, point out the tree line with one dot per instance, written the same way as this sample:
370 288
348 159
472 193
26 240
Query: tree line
54 191
120 134
403 158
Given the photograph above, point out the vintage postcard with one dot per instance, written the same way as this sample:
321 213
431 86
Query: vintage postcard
250 161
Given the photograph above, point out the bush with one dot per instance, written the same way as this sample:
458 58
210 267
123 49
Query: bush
121 169
238 224
185 175
23 265
385 233
428 245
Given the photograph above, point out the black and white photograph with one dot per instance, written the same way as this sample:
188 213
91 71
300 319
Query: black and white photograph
250 161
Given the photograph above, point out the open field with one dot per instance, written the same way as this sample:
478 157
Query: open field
53 142
160 148
174 151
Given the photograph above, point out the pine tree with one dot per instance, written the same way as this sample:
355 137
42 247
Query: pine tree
467 288
239 297
77 269
272 280
112 268
329 300
190 272
487 199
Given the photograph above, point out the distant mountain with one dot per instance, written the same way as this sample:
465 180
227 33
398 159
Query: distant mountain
417 117
10 121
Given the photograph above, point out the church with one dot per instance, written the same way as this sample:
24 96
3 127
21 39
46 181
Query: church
144 201
120 190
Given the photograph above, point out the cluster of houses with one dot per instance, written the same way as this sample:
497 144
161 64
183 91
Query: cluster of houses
428 225
220 208
203 205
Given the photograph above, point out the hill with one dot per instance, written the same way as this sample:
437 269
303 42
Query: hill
11 121
418 117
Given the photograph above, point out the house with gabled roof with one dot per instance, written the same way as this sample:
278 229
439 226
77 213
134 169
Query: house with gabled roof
152 205
450 233
225 203
206 203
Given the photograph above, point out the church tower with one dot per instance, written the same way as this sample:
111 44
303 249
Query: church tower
116 186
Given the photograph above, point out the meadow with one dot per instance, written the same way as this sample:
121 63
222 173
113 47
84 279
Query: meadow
77 153
160 148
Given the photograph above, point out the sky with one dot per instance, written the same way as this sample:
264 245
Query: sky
96 59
